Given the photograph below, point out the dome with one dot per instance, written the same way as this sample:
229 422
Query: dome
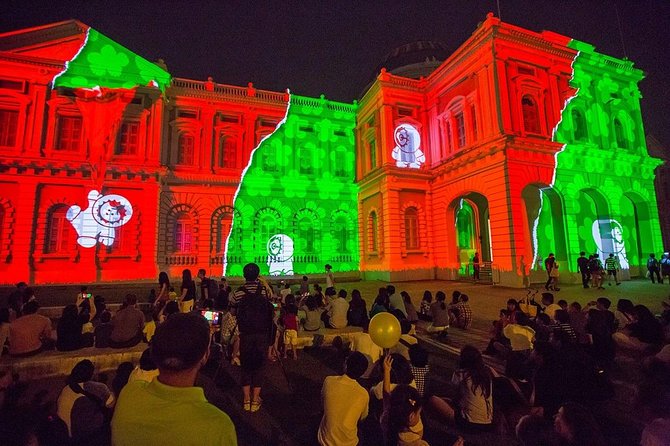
415 59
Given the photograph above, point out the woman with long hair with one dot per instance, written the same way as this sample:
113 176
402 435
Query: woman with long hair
473 408
163 288
381 303
187 298
424 307
412 315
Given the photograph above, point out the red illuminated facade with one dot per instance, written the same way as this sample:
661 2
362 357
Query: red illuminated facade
486 118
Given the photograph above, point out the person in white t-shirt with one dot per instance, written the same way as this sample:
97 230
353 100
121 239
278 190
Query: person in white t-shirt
337 310
330 278
362 342
146 371
345 404
548 305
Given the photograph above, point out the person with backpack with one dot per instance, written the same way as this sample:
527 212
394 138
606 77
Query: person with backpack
255 322
652 267
209 289
596 270
665 267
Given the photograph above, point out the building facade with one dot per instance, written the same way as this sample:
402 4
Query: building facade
517 145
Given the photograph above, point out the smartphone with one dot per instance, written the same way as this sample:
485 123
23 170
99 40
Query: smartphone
87 295
213 317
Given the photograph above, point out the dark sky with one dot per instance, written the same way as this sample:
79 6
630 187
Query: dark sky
332 47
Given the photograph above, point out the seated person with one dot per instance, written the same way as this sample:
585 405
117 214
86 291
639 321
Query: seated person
362 342
418 360
30 333
127 325
146 371
312 314
401 374
336 315
548 305
406 340
440 314
357 315
103 330
69 331
460 314
83 405
643 333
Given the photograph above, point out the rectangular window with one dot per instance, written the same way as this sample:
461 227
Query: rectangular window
460 128
474 122
373 154
68 137
9 121
129 139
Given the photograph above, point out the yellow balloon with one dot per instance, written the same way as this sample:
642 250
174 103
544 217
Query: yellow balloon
384 330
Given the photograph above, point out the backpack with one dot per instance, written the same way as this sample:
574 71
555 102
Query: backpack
594 265
254 312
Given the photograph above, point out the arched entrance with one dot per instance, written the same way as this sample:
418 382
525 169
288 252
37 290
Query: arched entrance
473 234
636 231
545 225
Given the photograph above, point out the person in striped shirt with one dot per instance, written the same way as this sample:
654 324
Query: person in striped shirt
612 266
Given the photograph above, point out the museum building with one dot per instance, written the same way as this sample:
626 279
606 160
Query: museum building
515 145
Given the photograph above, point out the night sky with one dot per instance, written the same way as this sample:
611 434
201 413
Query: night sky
332 47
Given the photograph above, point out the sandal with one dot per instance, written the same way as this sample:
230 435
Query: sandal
247 406
255 405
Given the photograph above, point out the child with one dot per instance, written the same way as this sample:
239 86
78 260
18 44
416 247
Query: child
290 323
230 334
401 417
418 358
424 308
172 295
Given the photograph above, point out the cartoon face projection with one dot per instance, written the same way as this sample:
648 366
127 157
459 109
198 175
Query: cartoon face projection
608 235
99 221
407 152
280 255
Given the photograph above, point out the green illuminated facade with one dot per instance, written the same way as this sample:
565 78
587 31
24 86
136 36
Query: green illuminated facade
602 200
297 203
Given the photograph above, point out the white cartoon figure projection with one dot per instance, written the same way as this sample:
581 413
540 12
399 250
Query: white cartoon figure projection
608 235
280 255
407 152
99 221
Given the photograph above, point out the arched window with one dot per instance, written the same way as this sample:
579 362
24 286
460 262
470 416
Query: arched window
531 116
620 134
373 231
578 125
412 228
227 151
340 234
59 236
186 149
183 233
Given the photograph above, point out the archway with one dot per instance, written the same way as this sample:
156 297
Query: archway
545 225
637 229
471 220
596 229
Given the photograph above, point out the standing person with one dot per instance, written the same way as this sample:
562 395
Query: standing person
596 269
187 298
549 264
170 409
652 267
475 266
84 405
330 278
127 325
345 404
163 290
612 266
222 299
583 268
209 289
255 321
290 323
665 267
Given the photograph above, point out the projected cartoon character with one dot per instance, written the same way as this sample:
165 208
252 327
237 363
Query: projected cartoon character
280 255
98 222
407 152
608 235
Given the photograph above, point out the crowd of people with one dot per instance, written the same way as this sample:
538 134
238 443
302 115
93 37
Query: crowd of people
556 357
